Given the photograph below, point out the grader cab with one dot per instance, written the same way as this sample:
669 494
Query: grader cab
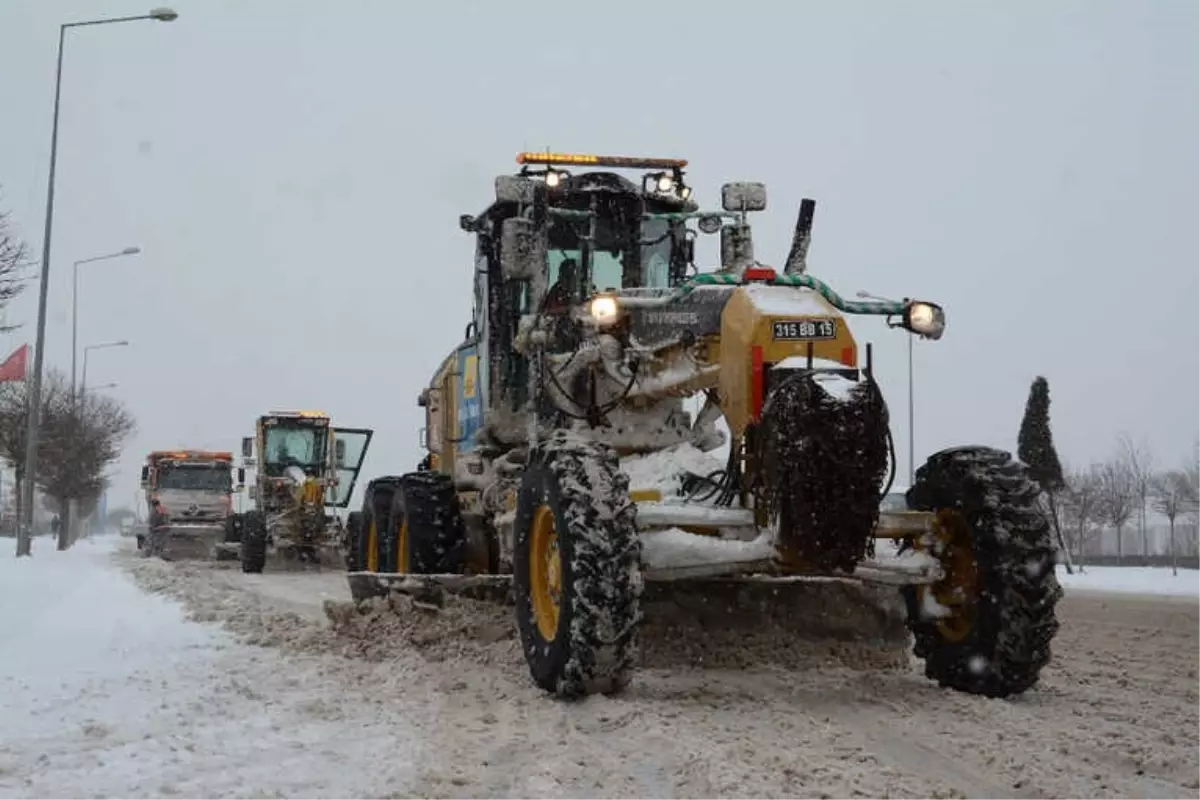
599 356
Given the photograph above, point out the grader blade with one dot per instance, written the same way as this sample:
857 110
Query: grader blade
430 588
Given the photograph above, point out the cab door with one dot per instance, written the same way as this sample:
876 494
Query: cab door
350 448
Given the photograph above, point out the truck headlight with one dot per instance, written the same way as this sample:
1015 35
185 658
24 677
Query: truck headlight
925 319
603 309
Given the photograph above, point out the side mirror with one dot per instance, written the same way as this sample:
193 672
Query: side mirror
241 475
339 452
522 250
145 476
423 398
247 447
515 189
744 197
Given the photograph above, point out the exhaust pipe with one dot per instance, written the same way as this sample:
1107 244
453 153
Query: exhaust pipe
797 260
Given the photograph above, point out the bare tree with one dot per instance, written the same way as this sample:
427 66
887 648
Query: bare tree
1189 538
1191 510
1139 461
1170 495
1081 507
79 441
84 442
1118 497
14 258
14 409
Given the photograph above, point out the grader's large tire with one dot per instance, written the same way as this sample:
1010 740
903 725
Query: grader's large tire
233 528
1000 588
356 542
254 542
577 569
376 543
427 533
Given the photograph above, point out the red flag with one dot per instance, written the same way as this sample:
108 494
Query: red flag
13 368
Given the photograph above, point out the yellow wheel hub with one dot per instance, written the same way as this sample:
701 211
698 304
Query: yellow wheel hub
372 547
958 590
545 573
402 546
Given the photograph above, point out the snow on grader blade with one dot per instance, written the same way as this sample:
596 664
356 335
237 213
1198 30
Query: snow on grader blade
572 440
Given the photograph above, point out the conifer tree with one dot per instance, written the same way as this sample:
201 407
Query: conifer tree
1035 447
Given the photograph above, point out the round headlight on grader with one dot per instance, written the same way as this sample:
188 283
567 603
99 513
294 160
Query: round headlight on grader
593 331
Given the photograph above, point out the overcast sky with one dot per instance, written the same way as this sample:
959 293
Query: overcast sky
294 172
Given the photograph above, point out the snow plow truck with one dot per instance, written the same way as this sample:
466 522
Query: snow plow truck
304 468
596 348
196 489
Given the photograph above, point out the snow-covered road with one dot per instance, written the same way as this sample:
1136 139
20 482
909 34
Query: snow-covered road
108 690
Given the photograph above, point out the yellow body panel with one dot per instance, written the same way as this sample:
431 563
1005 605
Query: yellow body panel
441 421
313 492
746 324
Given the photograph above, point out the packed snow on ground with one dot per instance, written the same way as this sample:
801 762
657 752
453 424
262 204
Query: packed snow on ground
1132 580
246 686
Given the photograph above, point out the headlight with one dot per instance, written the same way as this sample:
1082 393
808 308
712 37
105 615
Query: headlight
925 319
603 309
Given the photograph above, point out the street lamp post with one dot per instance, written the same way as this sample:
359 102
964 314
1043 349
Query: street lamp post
34 386
128 251
86 350
911 437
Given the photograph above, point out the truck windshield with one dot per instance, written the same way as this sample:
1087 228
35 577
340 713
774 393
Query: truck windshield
196 477
302 447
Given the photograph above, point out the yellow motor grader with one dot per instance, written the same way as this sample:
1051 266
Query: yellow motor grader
593 342
304 467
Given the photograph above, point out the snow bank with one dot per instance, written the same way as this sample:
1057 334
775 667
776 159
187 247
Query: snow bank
1133 580
106 691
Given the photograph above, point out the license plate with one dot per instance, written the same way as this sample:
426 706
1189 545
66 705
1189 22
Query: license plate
804 329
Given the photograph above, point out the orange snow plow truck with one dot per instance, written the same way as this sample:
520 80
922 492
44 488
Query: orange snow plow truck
195 489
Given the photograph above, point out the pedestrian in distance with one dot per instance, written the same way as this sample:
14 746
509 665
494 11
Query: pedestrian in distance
158 531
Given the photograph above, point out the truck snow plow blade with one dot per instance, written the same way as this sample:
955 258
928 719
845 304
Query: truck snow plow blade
193 541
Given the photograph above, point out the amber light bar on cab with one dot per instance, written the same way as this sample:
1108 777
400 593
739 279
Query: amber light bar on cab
585 159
